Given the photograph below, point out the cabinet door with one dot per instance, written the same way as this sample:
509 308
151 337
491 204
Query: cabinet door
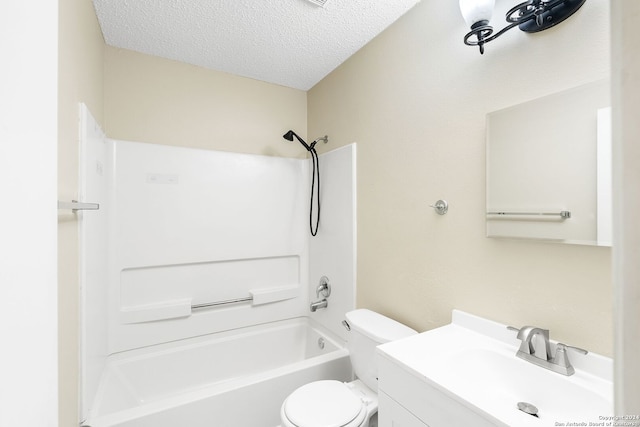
392 414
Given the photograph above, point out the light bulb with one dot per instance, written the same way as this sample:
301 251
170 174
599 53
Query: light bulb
476 10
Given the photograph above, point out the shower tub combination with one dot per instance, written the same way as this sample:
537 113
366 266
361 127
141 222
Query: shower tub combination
236 378
176 236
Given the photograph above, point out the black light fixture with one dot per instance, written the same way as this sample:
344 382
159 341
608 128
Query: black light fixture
530 16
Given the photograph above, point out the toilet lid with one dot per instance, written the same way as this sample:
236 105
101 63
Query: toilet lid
324 404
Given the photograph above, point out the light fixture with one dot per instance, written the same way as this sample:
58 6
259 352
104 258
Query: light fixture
531 16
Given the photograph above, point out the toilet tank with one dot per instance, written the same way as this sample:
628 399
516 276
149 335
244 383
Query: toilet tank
368 330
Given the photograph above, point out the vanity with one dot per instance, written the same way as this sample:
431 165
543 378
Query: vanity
480 373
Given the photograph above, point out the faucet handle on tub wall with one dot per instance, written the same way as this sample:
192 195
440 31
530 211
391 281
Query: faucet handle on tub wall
324 287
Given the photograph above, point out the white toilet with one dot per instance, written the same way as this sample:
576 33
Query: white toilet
332 403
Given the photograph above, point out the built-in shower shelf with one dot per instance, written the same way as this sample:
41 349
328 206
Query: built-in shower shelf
160 311
265 296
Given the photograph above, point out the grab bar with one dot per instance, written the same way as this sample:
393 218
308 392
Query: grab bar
74 205
228 301
561 214
183 307
258 297
167 310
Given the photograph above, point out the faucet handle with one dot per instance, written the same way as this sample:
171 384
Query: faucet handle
562 359
513 328
563 347
324 288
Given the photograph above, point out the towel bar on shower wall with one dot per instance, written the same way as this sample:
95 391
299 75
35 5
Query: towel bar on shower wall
74 205
184 307
225 302
258 296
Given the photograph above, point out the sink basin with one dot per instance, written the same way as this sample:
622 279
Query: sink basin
496 382
473 363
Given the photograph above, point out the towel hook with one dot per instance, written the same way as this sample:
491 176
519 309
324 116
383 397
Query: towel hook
441 207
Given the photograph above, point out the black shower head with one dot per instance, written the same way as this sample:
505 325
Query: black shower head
289 137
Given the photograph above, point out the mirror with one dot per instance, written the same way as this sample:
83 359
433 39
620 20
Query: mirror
549 168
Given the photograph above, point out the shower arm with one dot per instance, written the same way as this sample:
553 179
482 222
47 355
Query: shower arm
324 139
291 134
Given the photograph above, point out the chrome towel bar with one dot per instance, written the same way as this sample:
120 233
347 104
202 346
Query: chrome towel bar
229 301
561 214
78 206
183 307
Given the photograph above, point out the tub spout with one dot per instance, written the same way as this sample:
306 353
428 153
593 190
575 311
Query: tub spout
318 304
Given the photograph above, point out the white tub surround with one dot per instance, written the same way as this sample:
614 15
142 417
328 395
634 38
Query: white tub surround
189 243
196 234
206 241
333 251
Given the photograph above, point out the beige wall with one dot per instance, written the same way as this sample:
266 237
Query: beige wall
80 80
415 101
150 99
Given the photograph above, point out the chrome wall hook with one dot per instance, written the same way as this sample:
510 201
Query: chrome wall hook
441 207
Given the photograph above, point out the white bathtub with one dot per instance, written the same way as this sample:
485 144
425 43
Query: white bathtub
231 379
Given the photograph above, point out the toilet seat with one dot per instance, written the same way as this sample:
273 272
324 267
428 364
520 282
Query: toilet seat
324 404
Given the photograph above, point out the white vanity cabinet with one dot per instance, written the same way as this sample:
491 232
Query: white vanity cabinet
407 399
467 374
392 414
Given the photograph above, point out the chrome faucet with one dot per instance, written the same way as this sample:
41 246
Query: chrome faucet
324 289
535 348
318 304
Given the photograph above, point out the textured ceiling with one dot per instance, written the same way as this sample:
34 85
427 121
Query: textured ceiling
292 43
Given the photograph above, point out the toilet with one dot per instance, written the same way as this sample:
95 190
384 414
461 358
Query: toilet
331 403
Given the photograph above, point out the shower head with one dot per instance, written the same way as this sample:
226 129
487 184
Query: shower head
289 137
290 134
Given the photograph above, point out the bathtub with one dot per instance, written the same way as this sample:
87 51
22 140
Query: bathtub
236 378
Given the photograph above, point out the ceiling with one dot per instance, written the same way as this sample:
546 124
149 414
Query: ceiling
293 43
